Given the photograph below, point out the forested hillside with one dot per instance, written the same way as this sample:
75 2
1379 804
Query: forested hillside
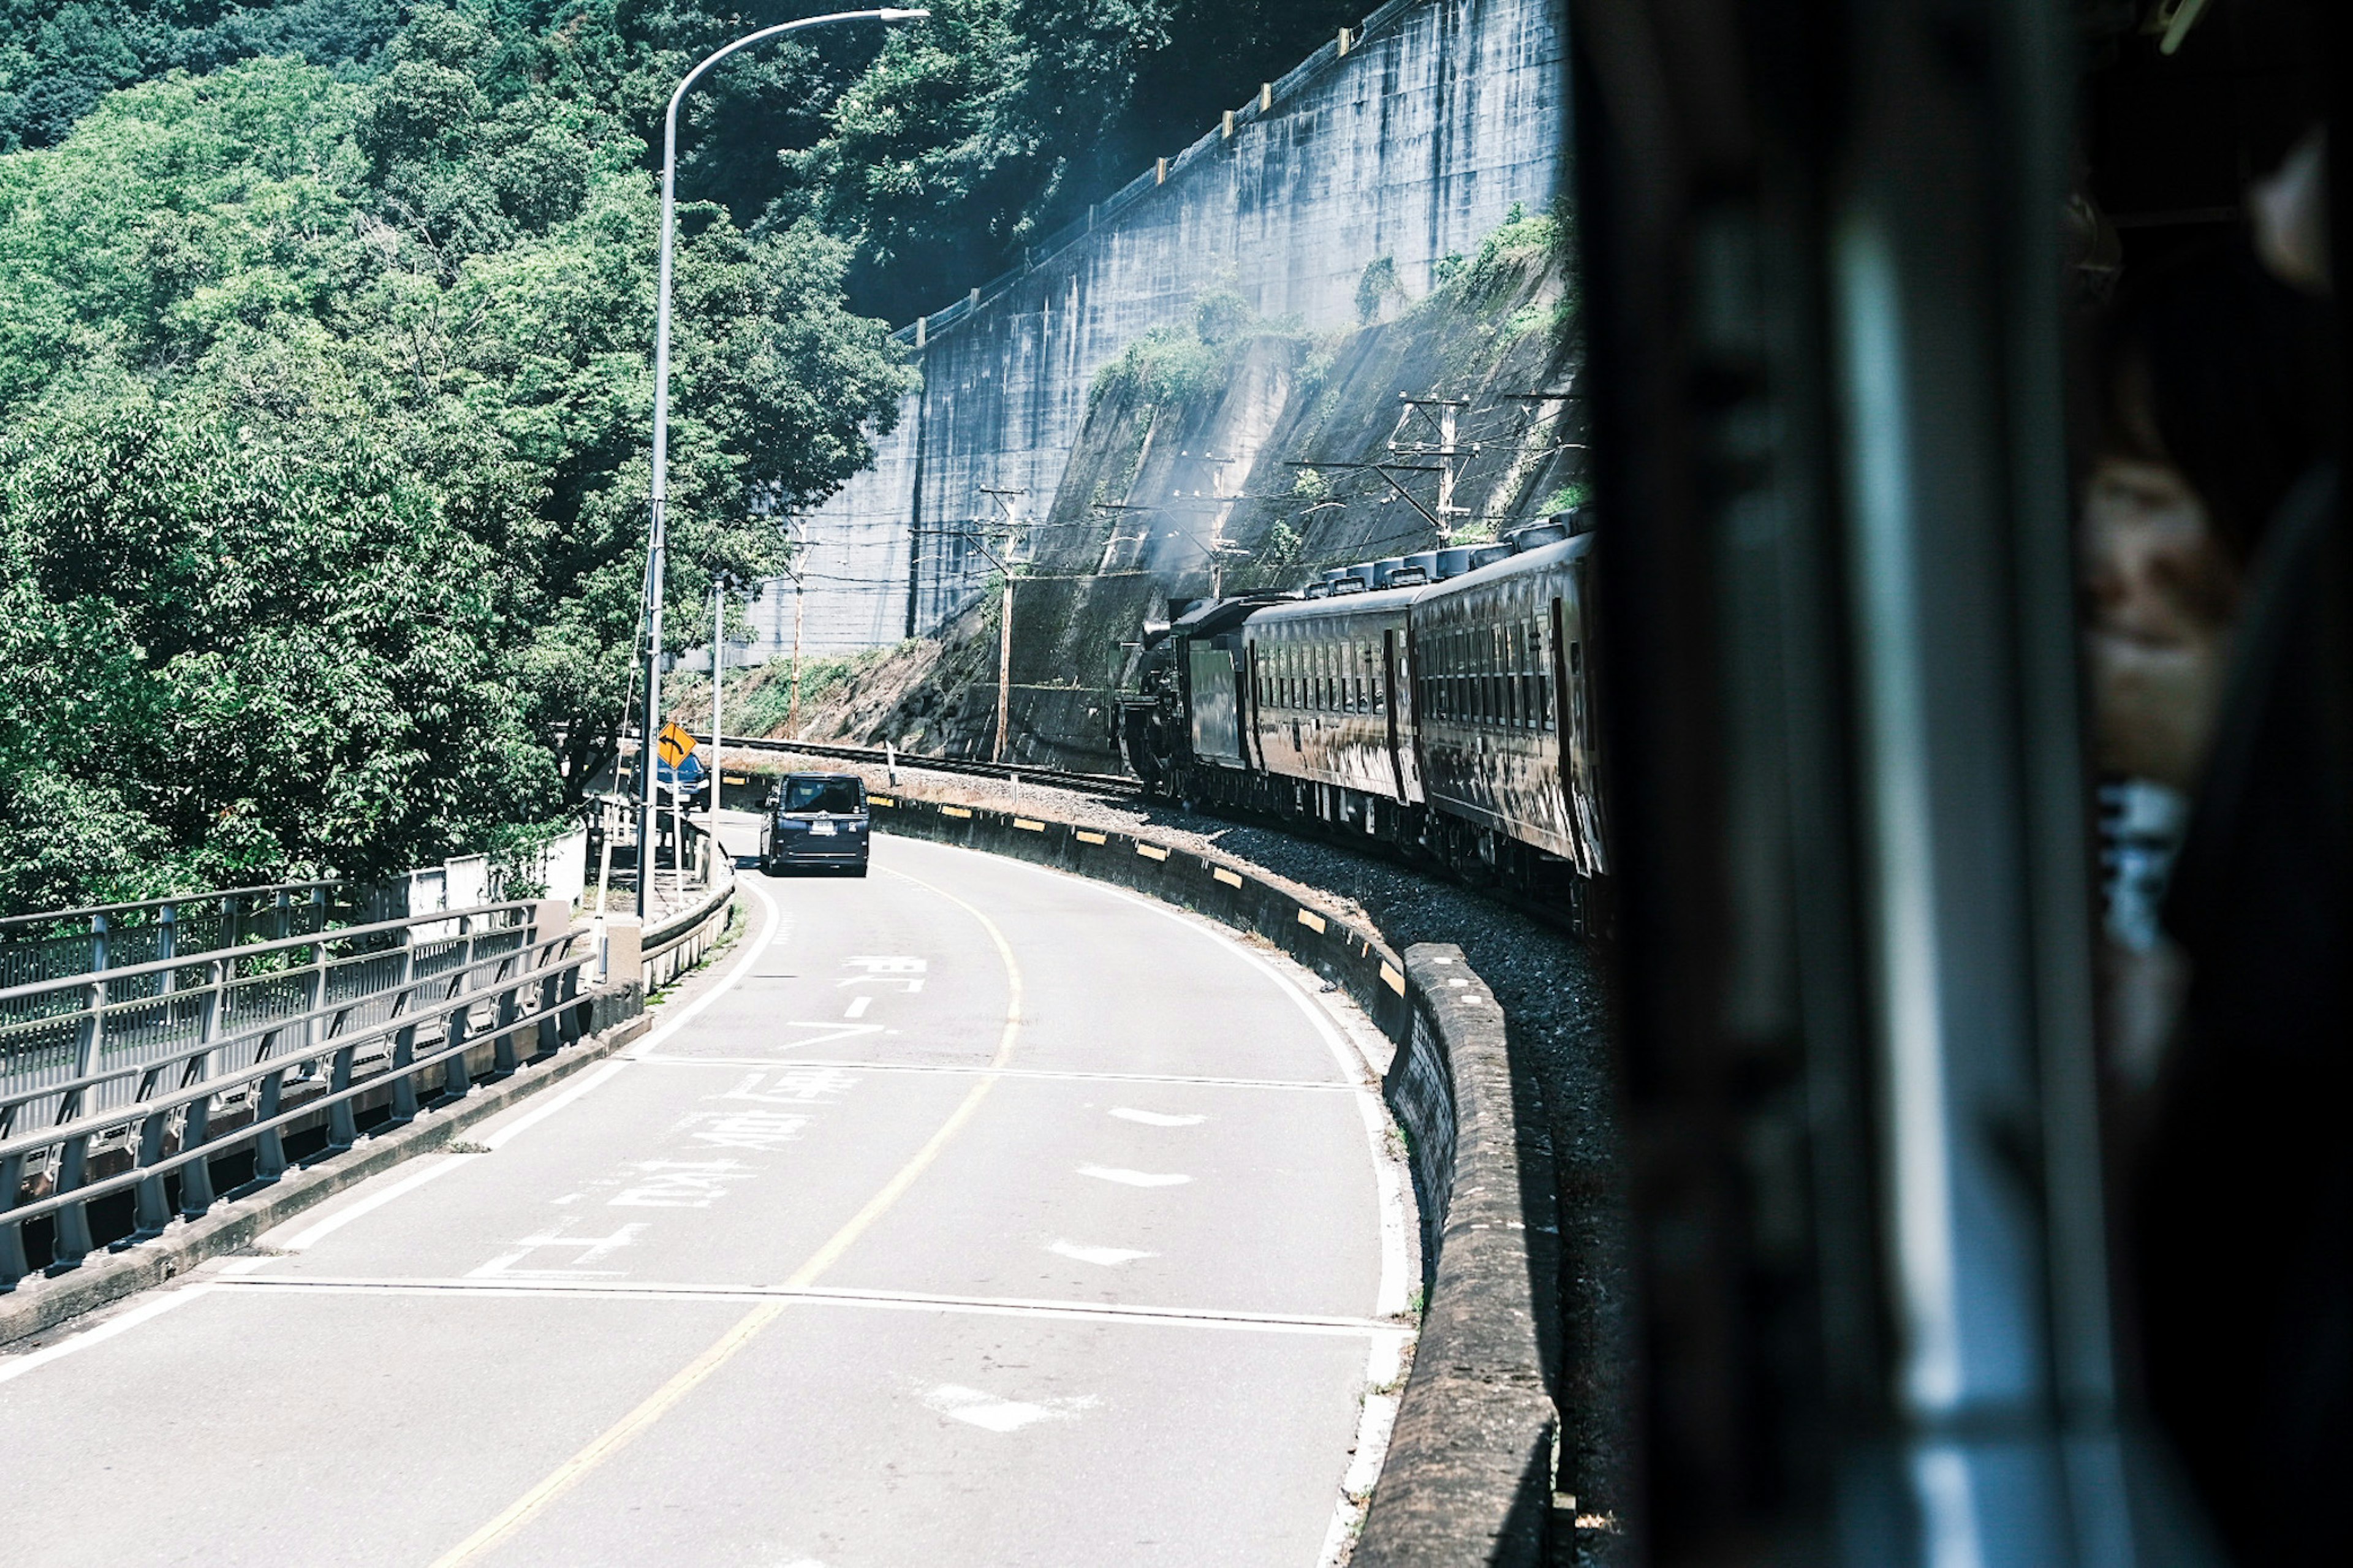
324 369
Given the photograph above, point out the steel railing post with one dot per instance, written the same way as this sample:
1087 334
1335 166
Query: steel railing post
404 1040
551 990
342 1118
503 1052
269 1147
12 1235
150 1213
167 945
73 1242
404 1085
455 1079
197 1175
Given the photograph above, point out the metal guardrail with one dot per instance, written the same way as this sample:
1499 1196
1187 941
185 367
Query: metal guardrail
58 943
677 942
140 1078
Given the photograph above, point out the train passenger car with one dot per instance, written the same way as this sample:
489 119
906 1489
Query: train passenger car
1330 686
1506 726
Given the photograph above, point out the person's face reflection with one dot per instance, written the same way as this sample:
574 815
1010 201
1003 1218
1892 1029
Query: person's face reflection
2161 596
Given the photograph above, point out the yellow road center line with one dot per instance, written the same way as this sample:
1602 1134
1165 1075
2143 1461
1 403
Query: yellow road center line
570 1473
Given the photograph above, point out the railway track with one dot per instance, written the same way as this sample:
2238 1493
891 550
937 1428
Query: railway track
1052 778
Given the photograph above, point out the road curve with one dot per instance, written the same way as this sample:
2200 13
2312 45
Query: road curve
970 1214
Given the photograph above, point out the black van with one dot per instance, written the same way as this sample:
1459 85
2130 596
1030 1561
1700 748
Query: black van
816 819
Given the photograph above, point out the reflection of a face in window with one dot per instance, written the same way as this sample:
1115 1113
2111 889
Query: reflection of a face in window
2161 595
821 794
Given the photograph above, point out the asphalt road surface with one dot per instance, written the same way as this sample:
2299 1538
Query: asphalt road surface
970 1214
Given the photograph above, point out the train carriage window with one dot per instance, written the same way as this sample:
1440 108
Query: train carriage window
1490 698
1510 637
1514 661
1458 676
1551 700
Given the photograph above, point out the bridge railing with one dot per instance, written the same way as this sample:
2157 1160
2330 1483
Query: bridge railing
59 944
113 1080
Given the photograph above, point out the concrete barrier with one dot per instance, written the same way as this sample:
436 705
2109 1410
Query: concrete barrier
1468 1480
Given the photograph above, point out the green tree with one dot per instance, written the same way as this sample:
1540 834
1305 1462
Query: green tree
294 367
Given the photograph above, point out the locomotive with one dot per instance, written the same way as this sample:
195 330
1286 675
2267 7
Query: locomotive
1440 703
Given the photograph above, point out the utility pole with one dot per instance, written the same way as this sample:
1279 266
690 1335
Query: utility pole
718 681
1446 449
649 726
1003 497
793 710
656 533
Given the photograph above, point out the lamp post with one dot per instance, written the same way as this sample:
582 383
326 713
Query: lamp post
656 531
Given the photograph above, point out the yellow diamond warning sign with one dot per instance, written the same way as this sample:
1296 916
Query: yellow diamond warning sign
676 744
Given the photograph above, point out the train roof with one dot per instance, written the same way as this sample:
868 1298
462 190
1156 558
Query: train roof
1536 560
1210 617
1339 607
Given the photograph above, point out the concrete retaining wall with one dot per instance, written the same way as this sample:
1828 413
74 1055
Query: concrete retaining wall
1413 145
1468 1477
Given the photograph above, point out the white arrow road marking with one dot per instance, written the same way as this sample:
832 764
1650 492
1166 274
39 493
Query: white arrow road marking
830 1032
1131 1178
999 1414
1154 1117
1108 1257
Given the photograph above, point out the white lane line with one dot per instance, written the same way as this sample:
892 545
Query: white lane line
310 1237
987 1410
1127 1178
1390 1300
1102 1257
17 1366
1154 1117
976 1070
857 1005
828 1296
539 1114
1378 1417
773 934
770 934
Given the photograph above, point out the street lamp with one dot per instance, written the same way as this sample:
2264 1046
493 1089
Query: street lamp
656 532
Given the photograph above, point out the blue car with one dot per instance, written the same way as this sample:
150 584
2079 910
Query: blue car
816 820
689 781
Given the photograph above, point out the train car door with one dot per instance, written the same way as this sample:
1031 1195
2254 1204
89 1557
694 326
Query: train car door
1253 742
1389 679
1565 733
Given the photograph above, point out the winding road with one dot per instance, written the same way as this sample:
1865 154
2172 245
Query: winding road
970 1214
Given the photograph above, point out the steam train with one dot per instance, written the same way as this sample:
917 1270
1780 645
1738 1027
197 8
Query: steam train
1440 702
